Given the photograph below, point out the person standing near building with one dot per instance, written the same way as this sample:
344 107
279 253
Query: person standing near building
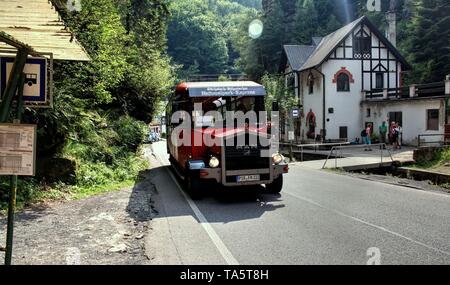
383 132
395 133
400 136
391 133
368 137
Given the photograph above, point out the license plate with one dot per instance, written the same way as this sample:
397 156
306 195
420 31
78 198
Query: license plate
248 178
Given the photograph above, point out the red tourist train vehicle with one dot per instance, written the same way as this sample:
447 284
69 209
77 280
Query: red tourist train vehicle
237 160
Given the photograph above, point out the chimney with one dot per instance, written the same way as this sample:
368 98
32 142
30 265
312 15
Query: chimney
447 85
391 27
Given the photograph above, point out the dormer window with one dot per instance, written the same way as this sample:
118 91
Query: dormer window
362 45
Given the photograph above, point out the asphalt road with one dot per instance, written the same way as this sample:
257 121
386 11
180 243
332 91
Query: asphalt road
320 218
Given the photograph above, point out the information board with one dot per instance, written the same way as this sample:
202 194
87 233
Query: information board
17 149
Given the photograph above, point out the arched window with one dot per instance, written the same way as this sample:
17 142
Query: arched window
343 82
311 83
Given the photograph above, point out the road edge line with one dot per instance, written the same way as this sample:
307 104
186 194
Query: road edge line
220 245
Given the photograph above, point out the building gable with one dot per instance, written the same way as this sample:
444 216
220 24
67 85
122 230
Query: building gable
342 45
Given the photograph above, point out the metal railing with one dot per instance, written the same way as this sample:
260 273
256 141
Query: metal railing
382 146
315 147
430 89
380 93
416 90
444 142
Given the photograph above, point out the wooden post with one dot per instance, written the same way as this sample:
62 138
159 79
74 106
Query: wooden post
15 83
14 180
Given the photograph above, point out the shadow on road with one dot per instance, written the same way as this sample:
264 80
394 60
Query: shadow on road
162 193
140 205
30 214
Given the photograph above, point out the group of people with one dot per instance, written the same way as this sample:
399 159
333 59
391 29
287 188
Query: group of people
393 133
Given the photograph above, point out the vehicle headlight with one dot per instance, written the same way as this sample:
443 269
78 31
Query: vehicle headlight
214 162
277 158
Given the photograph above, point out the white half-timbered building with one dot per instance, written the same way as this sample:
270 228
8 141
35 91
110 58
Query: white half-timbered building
354 77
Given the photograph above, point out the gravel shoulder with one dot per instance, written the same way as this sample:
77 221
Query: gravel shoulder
106 229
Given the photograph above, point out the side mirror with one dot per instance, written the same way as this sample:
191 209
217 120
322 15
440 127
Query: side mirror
275 106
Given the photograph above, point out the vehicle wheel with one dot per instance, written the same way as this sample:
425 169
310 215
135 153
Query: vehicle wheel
194 186
276 186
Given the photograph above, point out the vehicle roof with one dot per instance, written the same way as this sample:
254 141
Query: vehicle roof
221 89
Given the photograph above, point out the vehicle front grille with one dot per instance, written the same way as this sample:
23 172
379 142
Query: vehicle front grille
245 157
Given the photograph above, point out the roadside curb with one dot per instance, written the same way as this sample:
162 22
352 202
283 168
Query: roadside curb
436 177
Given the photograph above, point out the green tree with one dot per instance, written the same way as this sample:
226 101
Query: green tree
149 76
196 38
99 28
306 21
248 48
270 44
429 41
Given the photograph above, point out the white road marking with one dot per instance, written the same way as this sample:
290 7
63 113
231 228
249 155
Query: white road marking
404 188
367 223
224 251
220 245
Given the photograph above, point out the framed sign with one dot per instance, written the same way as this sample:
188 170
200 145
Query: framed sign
291 136
38 80
17 149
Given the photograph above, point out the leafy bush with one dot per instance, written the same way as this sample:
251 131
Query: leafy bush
30 190
440 158
99 105
131 133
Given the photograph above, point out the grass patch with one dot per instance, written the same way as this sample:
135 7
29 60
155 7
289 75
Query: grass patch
338 170
439 162
92 179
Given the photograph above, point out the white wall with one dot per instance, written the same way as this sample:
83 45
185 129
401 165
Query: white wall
312 102
414 117
347 109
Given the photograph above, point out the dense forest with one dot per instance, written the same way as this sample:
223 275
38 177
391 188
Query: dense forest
141 48
214 33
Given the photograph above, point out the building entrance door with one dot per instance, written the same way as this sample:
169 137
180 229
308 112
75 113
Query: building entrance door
398 118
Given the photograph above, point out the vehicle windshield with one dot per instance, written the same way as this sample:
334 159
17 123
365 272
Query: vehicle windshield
223 105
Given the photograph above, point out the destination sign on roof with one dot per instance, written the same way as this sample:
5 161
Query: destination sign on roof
225 89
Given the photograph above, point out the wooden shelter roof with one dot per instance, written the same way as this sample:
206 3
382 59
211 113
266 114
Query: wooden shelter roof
37 24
